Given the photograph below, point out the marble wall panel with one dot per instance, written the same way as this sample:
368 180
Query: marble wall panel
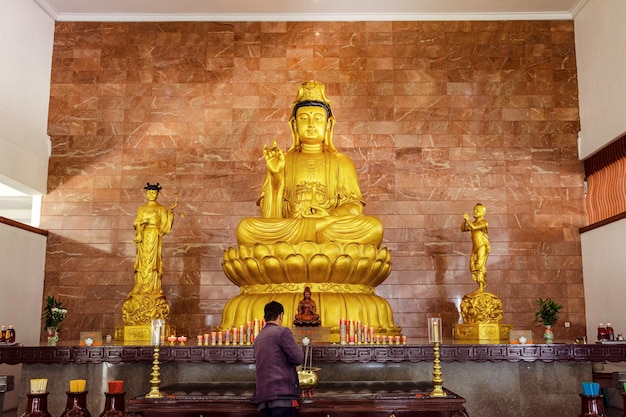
436 115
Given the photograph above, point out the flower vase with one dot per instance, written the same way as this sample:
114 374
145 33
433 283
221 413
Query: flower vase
548 335
53 336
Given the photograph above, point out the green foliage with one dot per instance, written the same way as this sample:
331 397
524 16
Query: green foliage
53 313
547 311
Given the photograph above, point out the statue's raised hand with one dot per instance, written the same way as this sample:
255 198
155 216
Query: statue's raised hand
274 158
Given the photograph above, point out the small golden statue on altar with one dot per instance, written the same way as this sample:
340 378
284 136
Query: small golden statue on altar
481 311
480 244
147 301
312 231
307 312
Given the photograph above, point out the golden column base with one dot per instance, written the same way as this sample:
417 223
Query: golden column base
437 379
155 381
482 331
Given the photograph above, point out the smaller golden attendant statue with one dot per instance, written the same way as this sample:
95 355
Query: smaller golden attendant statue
147 301
480 244
307 312
481 310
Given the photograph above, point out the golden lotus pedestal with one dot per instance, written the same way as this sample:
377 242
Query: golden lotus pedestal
341 277
482 331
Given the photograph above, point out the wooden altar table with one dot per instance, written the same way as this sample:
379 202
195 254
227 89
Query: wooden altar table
358 399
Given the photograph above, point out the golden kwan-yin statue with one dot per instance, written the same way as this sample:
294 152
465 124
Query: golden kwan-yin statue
312 231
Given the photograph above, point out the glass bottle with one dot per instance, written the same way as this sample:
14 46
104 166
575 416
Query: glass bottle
113 405
2 334
37 405
76 405
610 334
601 332
591 406
10 335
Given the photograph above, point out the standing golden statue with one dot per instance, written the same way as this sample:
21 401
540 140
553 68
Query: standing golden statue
147 301
481 311
312 231
480 244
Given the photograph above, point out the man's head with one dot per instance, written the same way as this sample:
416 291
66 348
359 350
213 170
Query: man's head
273 309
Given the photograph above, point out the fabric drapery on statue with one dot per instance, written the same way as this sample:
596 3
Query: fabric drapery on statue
146 301
311 192
312 231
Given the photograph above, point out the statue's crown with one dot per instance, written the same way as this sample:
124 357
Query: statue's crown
312 93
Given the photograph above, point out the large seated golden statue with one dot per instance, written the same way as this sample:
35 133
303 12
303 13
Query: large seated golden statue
312 231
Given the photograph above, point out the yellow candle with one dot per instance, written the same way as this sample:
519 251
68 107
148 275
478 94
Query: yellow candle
77 385
38 385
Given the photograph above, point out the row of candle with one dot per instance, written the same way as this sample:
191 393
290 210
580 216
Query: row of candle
241 335
39 386
355 332
350 332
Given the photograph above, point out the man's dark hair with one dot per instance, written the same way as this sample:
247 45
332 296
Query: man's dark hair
273 309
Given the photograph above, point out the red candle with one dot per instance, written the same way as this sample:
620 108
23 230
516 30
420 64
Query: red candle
116 387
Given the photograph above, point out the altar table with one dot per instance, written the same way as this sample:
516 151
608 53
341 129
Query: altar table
358 399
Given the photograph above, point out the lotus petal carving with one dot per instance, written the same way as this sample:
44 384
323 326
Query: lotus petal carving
307 262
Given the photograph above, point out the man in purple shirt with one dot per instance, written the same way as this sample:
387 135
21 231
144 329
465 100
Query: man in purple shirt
277 355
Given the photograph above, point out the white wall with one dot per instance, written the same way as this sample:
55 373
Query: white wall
600 30
22 256
601 60
604 269
27 35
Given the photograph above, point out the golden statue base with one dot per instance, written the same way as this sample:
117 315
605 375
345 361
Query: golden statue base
342 278
139 334
482 331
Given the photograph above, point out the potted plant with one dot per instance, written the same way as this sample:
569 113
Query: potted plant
547 313
54 313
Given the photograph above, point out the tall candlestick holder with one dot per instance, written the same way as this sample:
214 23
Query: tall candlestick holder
155 381
435 334
437 379
156 339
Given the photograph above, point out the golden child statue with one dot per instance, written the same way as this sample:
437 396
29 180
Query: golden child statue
481 311
146 301
312 231
480 244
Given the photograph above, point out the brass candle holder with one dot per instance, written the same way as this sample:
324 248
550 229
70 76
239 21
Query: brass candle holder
156 335
155 381
435 334
437 379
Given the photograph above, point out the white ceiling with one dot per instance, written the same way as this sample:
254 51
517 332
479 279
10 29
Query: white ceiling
312 10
